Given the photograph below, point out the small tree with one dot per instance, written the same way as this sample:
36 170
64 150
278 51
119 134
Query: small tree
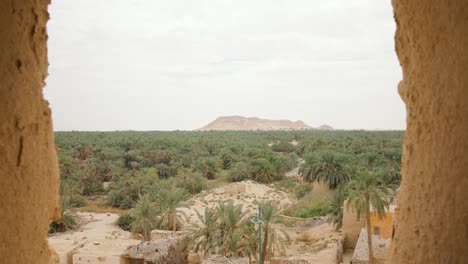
168 200
203 236
336 207
225 230
145 218
262 170
233 223
365 189
272 239
238 173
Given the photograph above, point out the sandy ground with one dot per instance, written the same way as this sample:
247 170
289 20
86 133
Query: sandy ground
98 236
246 193
311 240
314 244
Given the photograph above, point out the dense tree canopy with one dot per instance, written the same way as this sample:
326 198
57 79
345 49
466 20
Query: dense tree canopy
126 166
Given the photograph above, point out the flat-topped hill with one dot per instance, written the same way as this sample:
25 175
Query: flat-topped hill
239 123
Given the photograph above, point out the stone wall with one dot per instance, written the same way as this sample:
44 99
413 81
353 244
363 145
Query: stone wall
28 162
380 248
432 46
351 227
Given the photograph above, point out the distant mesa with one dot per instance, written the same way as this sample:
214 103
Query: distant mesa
325 127
240 123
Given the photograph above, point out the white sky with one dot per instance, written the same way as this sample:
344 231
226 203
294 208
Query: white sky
166 65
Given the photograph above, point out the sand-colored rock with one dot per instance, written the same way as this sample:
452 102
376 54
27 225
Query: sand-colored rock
325 127
28 162
166 234
240 123
315 245
162 251
217 259
432 215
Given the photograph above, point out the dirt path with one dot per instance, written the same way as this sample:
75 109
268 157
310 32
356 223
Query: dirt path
295 172
98 238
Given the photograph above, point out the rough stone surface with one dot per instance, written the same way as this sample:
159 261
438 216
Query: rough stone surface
217 259
166 234
432 215
28 162
361 252
159 252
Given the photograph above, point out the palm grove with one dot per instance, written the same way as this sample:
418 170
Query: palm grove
148 175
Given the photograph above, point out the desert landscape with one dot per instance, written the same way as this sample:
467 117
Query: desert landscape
99 239
175 132
219 196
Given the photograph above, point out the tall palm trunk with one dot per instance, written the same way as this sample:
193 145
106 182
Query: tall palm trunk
265 243
369 235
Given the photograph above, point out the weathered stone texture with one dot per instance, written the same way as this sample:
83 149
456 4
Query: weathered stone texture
432 46
28 163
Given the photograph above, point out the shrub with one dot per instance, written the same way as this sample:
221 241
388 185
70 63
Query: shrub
264 171
77 201
283 146
125 221
67 218
309 212
192 182
208 167
89 183
238 173
119 200
287 184
314 203
303 189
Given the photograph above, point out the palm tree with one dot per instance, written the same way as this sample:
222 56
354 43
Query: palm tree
336 207
208 167
232 222
326 166
168 200
370 159
272 240
204 236
261 170
238 172
392 175
146 218
367 188
225 230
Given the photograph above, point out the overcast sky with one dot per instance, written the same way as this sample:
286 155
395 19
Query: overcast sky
167 65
